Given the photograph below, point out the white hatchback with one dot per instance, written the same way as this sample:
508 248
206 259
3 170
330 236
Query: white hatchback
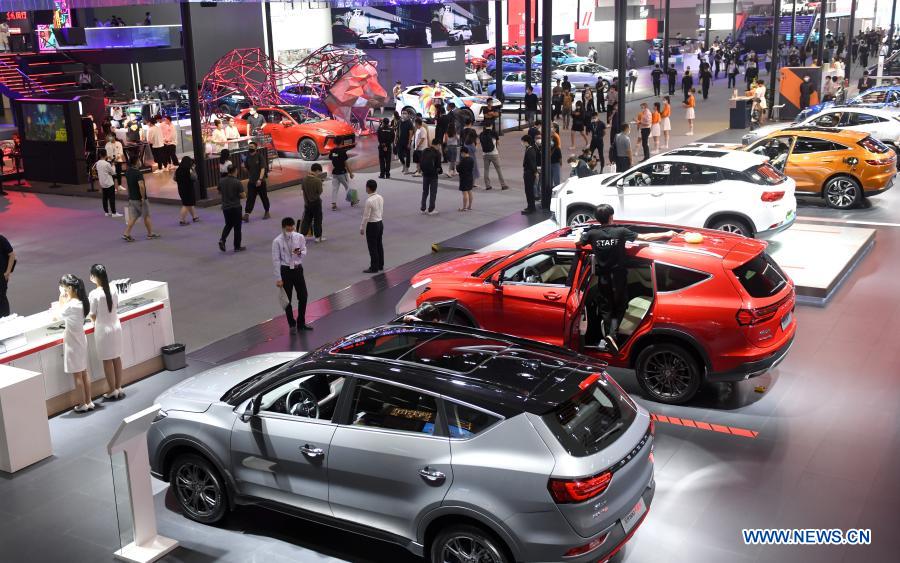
729 190
883 124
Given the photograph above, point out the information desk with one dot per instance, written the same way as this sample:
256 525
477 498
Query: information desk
35 343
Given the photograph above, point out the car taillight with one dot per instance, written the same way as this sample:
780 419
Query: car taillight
772 196
587 548
565 491
750 317
880 161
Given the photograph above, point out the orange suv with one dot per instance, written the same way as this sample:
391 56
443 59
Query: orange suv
839 165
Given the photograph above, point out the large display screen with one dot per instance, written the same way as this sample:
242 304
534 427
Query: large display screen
429 25
45 122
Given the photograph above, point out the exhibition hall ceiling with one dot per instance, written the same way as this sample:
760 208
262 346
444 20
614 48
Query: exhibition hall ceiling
51 4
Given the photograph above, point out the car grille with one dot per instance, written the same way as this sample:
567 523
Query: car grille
344 140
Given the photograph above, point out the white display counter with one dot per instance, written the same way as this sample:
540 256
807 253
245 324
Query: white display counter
35 343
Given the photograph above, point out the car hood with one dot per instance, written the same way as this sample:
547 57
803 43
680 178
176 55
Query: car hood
458 268
330 127
196 393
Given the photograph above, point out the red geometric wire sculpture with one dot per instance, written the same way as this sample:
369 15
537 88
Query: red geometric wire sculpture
247 72
348 80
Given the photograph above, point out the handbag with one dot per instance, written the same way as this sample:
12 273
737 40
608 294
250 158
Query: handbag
352 196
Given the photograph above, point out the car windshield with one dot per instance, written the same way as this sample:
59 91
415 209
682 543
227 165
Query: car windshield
305 115
248 383
461 91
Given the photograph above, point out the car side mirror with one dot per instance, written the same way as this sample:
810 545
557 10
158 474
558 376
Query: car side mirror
251 410
495 281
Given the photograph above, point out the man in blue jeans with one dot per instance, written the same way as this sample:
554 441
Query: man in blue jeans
430 162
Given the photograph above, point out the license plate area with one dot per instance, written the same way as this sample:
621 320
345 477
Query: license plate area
786 320
634 515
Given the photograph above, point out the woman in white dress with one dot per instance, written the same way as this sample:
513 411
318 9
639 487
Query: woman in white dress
107 330
73 308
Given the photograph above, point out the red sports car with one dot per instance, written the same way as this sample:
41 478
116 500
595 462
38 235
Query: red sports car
719 309
299 129
489 53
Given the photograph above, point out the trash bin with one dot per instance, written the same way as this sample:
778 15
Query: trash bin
173 357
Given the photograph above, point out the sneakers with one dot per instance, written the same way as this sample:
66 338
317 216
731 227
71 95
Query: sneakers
116 215
152 236
433 212
320 239
105 213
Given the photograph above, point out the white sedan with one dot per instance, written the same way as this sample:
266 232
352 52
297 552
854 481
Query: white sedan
585 74
729 190
883 124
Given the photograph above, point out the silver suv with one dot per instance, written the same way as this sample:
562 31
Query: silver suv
459 444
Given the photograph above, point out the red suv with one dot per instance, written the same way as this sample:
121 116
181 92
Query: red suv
719 309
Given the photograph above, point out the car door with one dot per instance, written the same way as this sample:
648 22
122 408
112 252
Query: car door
812 160
691 188
282 455
640 193
276 129
390 457
529 296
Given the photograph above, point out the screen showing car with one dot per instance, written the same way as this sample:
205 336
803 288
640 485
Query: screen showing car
45 122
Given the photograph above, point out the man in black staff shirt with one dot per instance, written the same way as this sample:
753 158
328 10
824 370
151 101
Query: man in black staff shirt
610 300
490 114
656 75
257 165
255 122
531 105
7 265
672 78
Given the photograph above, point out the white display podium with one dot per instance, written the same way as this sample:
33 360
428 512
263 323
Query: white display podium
24 429
131 440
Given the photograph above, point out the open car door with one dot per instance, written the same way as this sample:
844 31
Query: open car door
575 323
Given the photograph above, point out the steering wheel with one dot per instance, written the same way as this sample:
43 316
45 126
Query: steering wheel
529 271
301 402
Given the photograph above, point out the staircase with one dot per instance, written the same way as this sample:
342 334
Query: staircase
36 75
753 29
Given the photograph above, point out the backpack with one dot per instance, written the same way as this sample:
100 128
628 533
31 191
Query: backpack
487 141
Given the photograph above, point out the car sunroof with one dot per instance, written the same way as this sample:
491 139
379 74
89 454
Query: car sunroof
697 152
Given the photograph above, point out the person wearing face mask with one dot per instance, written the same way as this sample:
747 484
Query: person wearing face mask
72 308
257 165
806 92
539 147
529 172
288 250
255 122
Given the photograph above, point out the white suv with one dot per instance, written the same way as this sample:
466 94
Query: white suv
461 34
729 190
379 38
883 124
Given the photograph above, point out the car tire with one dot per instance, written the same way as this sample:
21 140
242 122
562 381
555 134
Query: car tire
308 150
380 43
467 539
842 192
734 225
490 57
580 214
668 373
192 475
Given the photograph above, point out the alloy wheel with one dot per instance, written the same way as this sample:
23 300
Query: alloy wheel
469 549
667 374
732 228
197 490
580 217
841 193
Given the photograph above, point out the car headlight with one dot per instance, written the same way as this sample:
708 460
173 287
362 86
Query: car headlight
161 414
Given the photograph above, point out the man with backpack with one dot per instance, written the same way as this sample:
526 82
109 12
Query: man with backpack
430 163
491 151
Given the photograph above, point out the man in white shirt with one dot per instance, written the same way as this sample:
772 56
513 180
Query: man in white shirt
288 250
155 140
115 149
419 144
231 132
218 139
373 227
106 178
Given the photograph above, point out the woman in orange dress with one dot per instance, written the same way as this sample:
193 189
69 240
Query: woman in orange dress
689 104
665 120
655 127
